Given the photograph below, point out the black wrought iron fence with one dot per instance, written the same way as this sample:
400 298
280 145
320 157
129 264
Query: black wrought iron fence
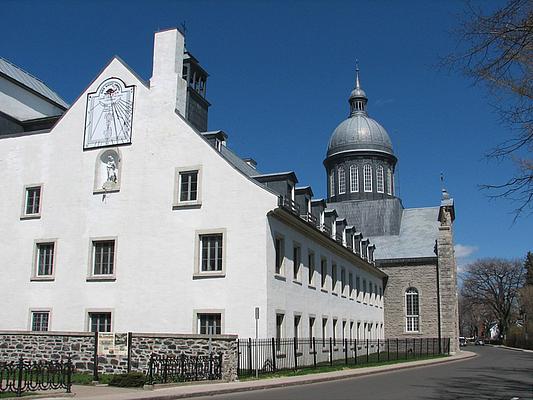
183 368
33 376
270 355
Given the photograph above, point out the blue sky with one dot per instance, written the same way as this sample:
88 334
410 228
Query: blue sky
281 73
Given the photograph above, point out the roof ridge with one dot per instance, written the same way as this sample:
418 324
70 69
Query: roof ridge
23 70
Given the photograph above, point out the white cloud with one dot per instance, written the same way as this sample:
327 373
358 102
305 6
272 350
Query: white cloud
464 251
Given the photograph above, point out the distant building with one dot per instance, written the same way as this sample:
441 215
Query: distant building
123 213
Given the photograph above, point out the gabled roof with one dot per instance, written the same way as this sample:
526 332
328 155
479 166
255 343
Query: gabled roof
26 79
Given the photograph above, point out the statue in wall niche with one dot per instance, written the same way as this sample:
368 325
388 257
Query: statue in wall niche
111 167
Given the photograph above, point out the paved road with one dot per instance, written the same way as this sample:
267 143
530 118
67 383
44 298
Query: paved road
495 373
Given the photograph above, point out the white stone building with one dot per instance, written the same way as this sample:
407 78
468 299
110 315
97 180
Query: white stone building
118 214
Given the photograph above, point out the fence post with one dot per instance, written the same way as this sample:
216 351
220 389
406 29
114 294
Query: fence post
367 351
250 356
448 352
182 364
330 351
129 351
378 349
95 356
151 370
20 371
346 351
314 352
274 354
220 365
355 350
388 349
397 345
295 348
69 374
211 365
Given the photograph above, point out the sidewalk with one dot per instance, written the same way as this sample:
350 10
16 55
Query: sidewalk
208 389
501 346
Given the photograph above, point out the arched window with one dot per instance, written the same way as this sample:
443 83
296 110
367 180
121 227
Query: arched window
379 179
367 172
342 181
389 181
332 183
354 179
412 316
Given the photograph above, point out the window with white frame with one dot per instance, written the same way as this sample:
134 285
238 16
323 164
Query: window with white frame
311 267
333 278
279 247
188 183
323 272
297 319
342 180
311 327
40 320
351 330
334 331
367 176
279 329
332 182
379 179
412 310
364 291
211 255
44 263
209 323
357 287
350 284
103 257
100 321
389 181
296 260
343 280
343 333
32 201
354 179
324 330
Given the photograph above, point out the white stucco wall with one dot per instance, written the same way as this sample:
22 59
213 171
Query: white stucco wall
155 289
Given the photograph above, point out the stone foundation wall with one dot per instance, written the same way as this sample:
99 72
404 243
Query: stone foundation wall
80 347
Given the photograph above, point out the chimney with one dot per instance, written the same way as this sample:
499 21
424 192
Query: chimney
167 83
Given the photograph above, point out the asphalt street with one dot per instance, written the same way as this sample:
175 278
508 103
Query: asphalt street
496 373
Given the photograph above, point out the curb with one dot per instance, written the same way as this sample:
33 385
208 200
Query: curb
511 348
315 378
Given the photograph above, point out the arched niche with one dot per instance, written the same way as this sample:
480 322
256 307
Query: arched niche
107 172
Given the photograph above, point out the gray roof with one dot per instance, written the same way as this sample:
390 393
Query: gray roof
238 162
418 232
359 132
28 80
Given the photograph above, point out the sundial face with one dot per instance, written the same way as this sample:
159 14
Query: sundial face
109 116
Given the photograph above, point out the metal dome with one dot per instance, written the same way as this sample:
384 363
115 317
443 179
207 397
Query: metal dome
358 133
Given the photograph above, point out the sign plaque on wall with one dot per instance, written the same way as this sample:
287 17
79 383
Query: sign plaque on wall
112 344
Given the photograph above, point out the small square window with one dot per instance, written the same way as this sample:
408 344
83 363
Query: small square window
32 202
209 324
44 263
211 252
100 321
103 257
40 321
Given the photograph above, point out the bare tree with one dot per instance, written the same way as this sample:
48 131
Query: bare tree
494 284
497 49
